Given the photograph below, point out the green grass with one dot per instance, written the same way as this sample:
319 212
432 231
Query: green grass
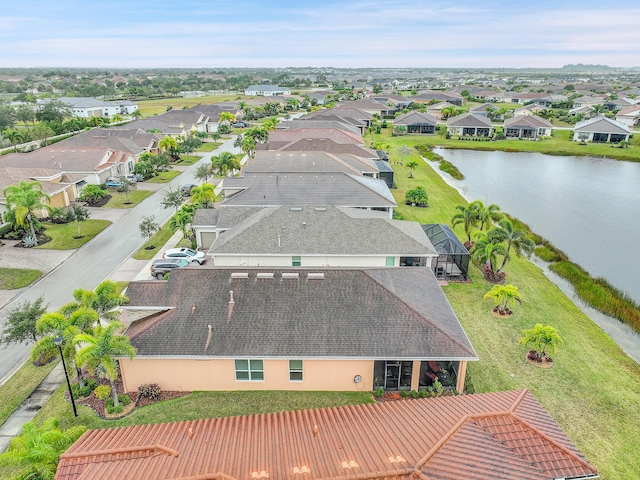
12 278
161 237
209 146
165 177
558 145
188 159
62 234
18 388
593 391
155 107
119 199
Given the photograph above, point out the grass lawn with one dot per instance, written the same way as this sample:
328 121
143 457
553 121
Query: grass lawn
161 237
62 234
186 160
558 145
20 386
593 391
118 199
209 146
165 177
157 106
12 278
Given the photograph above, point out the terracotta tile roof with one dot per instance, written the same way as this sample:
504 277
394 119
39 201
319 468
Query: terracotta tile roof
481 436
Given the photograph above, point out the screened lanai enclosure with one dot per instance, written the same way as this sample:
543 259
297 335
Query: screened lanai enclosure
452 263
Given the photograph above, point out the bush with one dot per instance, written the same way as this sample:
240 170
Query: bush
413 394
404 394
150 390
102 392
113 409
424 393
379 392
89 386
122 398
75 390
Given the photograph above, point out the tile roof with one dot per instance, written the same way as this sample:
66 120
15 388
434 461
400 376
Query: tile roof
469 120
498 436
308 161
14 175
323 231
316 189
345 314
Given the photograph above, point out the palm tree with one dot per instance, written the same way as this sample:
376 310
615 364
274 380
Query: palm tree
597 109
468 218
417 196
100 348
542 339
69 321
167 143
181 221
504 296
225 162
136 114
104 299
249 146
516 239
24 198
204 194
226 118
547 114
487 215
486 249
411 164
117 118
14 137
39 448
259 134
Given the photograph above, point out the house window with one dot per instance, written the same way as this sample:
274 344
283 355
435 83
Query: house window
391 261
295 261
249 370
295 370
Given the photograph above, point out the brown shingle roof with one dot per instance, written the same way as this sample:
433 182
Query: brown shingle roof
65 159
309 161
498 436
279 138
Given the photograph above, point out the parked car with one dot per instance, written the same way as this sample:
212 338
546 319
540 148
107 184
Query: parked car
132 178
240 125
160 267
186 253
186 189
113 182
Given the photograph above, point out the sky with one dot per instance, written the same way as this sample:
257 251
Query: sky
320 33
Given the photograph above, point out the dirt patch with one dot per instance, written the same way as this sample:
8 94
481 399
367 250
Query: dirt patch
535 363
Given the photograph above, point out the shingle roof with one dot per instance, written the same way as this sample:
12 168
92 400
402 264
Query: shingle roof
342 112
280 138
329 146
498 436
323 231
14 175
527 121
132 140
321 122
222 217
316 189
65 159
346 314
469 120
412 118
309 161
602 125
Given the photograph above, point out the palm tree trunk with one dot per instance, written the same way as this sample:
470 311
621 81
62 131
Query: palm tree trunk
80 377
114 393
33 230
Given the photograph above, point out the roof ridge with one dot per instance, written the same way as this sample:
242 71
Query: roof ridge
115 451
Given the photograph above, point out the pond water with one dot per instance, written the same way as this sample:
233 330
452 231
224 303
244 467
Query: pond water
587 207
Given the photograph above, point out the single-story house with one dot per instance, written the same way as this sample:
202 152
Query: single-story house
281 139
371 106
435 110
321 122
499 436
527 126
531 109
269 161
587 101
629 116
130 140
429 95
470 124
483 109
266 90
317 237
618 104
86 107
294 329
417 122
601 130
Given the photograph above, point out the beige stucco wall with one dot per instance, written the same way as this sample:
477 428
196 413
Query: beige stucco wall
219 374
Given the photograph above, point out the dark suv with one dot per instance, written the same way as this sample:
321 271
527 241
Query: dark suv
165 265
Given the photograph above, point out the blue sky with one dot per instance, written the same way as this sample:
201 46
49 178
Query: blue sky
279 33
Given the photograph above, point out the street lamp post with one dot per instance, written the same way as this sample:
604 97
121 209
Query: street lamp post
58 342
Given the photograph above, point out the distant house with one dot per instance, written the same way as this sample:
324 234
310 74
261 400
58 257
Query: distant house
416 122
483 109
587 101
266 91
429 95
174 123
294 328
531 109
601 130
435 110
500 436
130 140
371 106
629 116
618 104
470 124
527 126
86 107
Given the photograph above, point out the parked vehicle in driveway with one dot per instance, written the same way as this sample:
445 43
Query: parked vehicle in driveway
187 253
186 189
113 182
132 178
160 267
240 125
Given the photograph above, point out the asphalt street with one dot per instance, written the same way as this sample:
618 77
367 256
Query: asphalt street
95 261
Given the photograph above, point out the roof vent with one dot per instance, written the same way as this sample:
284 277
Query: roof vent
296 209
239 275
320 209
264 275
290 275
315 276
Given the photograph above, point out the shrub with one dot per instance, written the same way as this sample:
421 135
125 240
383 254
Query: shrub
153 391
102 392
424 393
113 409
413 394
379 392
75 390
122 398
404 394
